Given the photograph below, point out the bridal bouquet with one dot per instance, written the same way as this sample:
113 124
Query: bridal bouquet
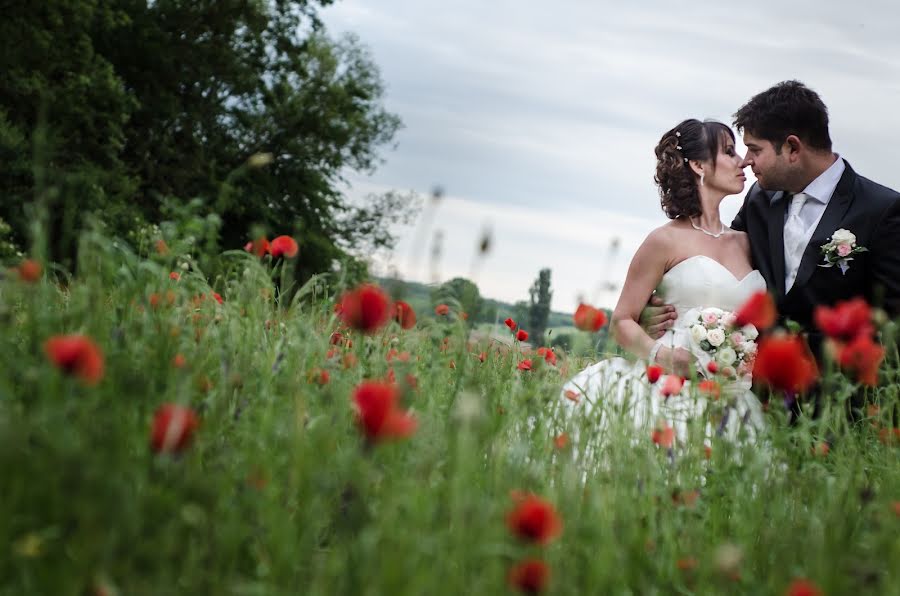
716 338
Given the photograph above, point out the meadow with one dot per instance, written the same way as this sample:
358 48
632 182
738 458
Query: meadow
216 437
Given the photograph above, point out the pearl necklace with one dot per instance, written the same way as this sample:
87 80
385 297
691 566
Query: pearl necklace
707 232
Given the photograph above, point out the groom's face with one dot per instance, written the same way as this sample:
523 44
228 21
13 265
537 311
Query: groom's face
770 167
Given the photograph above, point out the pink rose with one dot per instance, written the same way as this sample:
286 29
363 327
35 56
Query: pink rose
737 338
710 319
843 250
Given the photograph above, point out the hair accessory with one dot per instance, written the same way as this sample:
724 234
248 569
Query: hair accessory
678 147
677 134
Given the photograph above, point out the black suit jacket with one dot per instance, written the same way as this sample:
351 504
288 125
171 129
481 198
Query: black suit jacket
869 210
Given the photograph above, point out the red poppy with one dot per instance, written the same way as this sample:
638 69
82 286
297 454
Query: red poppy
802 587
785 364
712 367
654 371
441 310
178 361
572 396
29 270
548 354
283 246
482 356
524 365
846 321
76 355
663 435
561 441
175 276
404 315
529 576
588 318
161 247
672 386
896 506
821 449
758 310
366 308
687 564
173 428
510 323
521 335
259 247
218 297
709 388
534 520
862 356
707 451
319 375
377 413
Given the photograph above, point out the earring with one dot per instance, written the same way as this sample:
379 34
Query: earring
701 178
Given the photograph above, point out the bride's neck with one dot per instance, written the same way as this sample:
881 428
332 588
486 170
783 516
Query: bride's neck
709 217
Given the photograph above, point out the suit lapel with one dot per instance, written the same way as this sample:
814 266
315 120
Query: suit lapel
834 212
776 238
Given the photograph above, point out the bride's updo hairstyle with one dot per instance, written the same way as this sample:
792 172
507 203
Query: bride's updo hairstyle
691 140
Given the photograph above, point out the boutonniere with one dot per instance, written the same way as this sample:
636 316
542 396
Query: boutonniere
840 250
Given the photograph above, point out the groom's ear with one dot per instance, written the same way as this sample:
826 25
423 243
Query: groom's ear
793 145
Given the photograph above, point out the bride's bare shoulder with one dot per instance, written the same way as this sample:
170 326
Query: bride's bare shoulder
665 235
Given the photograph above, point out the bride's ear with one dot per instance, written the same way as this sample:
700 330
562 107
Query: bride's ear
696 166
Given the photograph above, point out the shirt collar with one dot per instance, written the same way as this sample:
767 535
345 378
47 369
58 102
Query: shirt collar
823 187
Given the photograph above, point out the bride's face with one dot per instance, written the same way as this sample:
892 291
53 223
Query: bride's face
729 173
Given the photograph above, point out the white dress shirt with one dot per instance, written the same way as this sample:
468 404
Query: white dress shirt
819 192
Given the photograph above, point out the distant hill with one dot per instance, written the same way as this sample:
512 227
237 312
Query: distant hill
418 295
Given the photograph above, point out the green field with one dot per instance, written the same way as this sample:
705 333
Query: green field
279 491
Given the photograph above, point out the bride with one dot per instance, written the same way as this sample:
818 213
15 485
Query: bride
695 262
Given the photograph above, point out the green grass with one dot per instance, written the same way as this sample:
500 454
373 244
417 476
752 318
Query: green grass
279 494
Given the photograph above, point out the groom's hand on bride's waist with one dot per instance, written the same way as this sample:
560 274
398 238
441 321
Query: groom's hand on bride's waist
657 316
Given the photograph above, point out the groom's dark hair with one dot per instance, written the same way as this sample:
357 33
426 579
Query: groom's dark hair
788 108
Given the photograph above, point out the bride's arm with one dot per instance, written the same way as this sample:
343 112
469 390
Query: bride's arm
644 274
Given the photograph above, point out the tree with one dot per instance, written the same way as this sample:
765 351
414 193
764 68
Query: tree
539 308
146 101
463 291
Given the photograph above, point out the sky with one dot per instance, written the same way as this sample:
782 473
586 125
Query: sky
538 119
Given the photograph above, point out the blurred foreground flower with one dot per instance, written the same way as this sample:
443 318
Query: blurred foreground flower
785 364
588 318
846 321
259 247
173 428
862 356
758 310
366 308
510 323
802 587
654 371
76 355
529 576
522 335
29 270
663 435
283 246
377 412
404 315
534 520
441 310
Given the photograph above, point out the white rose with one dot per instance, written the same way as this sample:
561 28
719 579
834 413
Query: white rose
750 332
749 348
843 236
715 337
698 333
726 356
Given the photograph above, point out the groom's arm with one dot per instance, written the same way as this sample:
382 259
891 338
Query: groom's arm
885 261
739 224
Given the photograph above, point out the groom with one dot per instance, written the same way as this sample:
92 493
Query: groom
803 194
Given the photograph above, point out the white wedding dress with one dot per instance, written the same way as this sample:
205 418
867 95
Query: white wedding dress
618 389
